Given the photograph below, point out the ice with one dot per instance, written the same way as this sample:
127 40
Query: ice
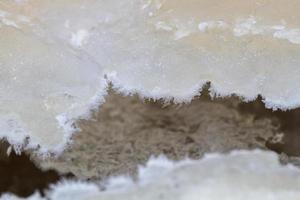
165 54
54 55
240 175
43 83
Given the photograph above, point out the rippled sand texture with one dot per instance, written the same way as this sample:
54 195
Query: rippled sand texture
54 55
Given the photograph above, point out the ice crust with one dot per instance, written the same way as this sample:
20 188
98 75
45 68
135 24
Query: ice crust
240 175
54 55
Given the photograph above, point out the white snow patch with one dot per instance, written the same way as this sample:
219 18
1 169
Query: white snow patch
79 38
205 26
167 55
245 27
250 26
291 35
240 175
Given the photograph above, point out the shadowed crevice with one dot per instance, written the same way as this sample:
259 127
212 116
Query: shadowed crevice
287 121
20 176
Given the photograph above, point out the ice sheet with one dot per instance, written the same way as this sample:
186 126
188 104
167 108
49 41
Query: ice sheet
54 55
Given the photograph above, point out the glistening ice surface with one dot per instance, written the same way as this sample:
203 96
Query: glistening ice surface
241 175
54 55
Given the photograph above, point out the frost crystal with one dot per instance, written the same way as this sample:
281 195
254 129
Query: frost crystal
54 55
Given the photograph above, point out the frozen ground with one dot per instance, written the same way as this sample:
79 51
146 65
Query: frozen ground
240 175
128 131
57 56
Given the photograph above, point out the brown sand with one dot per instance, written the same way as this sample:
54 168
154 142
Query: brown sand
127 131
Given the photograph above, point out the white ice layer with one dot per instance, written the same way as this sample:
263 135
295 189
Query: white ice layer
54 55
240 175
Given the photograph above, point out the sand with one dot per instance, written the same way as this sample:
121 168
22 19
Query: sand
127 131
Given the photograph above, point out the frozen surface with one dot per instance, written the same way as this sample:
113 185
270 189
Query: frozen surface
240 175
54 55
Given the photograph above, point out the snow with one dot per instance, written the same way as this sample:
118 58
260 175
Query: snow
55 54
79 38
240 175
